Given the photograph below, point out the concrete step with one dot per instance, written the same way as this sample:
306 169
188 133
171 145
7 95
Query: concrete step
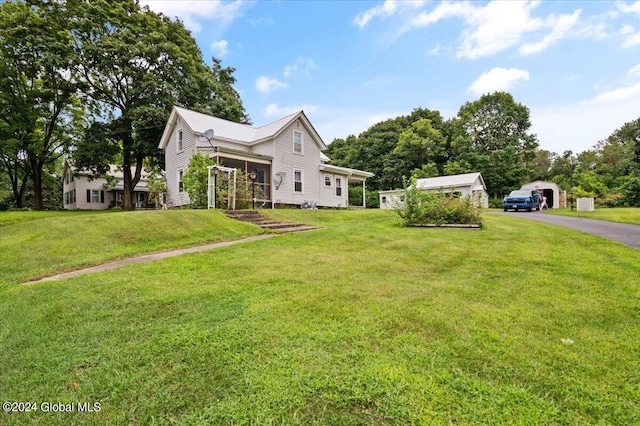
256 218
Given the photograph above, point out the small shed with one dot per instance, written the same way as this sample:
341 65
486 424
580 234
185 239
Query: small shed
467 184
556 197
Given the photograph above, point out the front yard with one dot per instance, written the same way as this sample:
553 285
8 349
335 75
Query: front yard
361 322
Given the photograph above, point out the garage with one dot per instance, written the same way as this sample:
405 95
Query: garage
556 197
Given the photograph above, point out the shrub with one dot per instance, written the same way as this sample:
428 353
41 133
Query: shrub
355 197
432 208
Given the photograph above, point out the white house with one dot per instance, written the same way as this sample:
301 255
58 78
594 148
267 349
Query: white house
556 197
468 184
286 156
80 193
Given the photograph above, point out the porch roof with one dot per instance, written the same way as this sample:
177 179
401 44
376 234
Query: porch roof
353 175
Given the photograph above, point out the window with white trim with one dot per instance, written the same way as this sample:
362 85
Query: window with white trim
297 180
327 181
338 187
180 182
95 196
179 145
297 142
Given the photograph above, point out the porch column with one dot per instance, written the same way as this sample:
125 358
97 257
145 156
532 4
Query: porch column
364 195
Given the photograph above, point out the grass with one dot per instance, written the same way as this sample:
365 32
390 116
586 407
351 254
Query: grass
34 244
362 322
622 215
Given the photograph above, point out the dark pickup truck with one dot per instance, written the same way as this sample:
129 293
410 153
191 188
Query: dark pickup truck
522 199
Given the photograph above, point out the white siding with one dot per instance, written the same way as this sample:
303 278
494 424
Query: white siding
285 160
175 160
328 196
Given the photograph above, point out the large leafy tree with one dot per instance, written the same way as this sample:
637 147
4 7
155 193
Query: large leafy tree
134 65
374 150
37 98
497 141
422 147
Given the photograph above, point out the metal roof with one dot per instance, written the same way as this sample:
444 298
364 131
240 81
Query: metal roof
467 179
243 134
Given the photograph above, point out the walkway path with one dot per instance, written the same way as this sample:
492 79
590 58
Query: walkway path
621 232
247 216
147 258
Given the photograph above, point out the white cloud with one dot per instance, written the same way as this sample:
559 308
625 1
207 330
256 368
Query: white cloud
221 48
190 11
632 40
302 64
581 125
629 8
289 69
273 110
634 72
496 27
498 79
562 25
265 84
388 8
492 27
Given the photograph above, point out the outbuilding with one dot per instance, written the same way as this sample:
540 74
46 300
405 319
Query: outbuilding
556 197
467 184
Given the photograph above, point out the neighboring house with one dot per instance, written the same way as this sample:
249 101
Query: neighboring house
286 156
468 184
556 197
80 193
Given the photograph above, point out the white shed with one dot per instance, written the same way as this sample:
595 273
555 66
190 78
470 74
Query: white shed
468 184
556 197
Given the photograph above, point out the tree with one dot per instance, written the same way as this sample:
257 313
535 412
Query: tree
374 149
37 98
196 180
420 146
497 140
135 65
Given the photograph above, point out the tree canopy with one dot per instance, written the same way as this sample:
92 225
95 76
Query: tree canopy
133 65
38 103
103 75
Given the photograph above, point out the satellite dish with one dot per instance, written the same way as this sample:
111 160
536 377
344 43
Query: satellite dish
206 136
279 178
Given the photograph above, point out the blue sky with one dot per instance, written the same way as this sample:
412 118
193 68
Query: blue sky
351 64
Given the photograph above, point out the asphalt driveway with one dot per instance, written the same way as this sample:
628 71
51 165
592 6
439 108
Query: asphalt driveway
622 232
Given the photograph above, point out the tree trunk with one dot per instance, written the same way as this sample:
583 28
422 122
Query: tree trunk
36 178
127 193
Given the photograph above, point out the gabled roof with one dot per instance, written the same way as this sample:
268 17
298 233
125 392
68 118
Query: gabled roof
243 134
467 179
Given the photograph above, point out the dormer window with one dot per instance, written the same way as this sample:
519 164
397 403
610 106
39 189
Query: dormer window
297 142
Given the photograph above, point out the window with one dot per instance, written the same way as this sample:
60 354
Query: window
297 180
95 196
338 187
180 140
297 142
180 182
327 181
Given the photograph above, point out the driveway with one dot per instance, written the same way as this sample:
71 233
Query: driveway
621 232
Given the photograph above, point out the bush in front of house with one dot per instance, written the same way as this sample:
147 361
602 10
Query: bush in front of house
435 208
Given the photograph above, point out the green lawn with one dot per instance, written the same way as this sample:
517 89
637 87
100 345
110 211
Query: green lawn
34 244
622 215
361 322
